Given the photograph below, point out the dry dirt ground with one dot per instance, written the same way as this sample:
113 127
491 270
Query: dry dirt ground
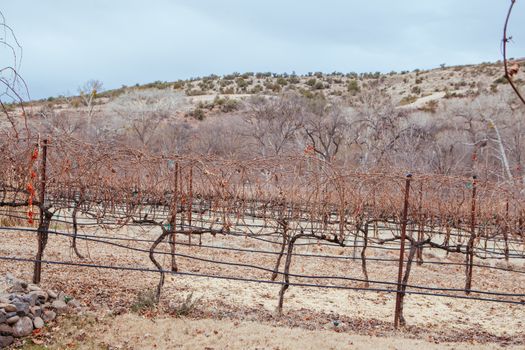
240 315
132 331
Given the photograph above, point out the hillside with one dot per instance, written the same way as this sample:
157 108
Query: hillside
415 88
437 121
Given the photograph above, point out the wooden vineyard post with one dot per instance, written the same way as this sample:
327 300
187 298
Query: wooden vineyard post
404 220
42 229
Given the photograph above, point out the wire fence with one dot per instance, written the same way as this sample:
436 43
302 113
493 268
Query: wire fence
282 206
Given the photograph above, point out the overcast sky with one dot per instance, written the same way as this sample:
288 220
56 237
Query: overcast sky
66 42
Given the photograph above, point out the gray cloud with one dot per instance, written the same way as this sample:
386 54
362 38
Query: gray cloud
125 42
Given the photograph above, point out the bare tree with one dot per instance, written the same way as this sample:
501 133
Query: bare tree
325 127
143 113
13 89
273 123
380 125
88 93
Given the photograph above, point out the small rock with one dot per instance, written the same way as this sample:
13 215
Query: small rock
3 316
49 315
38 297
13 320
38 322
18 287
5 341
5 330
23 327
61 296
10 308
74 303
52 294
335 324
120 310
9 278
36 311
59 305
33 288
22 309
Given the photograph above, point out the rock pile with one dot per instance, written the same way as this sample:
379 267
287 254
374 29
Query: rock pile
25 307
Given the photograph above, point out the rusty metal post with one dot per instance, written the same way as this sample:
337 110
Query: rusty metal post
190 202
173 220
421 226
182 199
470 246
404 221
506 231
42 230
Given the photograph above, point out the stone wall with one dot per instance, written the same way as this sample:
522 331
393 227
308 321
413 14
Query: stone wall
25 307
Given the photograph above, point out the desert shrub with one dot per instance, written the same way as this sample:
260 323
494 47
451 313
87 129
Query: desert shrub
430 106
311 82
241 83
228 77
155 85
146 300
449 94
416 90
353 87
282 81
195 92
225 83
186 307
75 102
273 87
227 91
408 100
206 85
370 75
500 80
178 85
319 85
226 104
198 114
211 77
294 79
257 89
263 75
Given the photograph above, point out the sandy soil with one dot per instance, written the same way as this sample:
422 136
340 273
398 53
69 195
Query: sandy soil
131 331
364 317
